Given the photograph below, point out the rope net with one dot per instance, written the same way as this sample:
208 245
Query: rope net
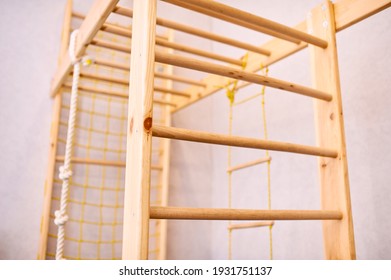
96 189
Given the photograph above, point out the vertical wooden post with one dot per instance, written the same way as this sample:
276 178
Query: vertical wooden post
165 159
335 194
45 218
139 139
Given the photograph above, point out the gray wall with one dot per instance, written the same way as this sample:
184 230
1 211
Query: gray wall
30 35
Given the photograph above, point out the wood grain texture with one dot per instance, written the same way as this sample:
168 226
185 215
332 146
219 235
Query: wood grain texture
139 137
334 180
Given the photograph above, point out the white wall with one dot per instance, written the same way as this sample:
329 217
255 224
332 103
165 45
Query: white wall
30 35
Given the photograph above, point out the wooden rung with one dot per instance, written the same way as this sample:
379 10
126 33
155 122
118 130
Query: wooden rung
172 91
248 164
230 72
221 139
227 71
239 17
126 83
81 16
125 67
250 225
102 162
95 76
176 46
180 213
115 94
111 45
198 32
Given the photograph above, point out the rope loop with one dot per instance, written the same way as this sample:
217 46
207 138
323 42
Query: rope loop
85 60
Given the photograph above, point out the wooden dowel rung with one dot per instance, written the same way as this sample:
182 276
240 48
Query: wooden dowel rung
125 67
93 161
180 213
236 16
198 32
176 46
179 79
222 70
78 15
115 94
104 78
171 91
250 225
126 83
249 164
221 139
234 73
82 16
102 162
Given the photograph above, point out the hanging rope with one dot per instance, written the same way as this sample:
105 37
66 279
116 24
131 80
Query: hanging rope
230 92
65 174
265 136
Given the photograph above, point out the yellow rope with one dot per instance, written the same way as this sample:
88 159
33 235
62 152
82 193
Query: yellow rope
265 135
230 92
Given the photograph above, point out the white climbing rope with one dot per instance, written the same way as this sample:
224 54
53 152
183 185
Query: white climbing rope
65 174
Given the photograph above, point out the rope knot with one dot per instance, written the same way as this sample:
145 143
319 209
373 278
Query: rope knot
60 218
64 174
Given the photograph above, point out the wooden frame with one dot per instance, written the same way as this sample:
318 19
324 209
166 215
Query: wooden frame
331 150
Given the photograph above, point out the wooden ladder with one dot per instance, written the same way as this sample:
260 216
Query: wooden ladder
331 150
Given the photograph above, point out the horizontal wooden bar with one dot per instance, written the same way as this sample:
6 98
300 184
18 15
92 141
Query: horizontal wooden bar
114 93
125 67
181 213
126 83
222 70
249 164
82 16
236 16
198 32
238 74
221 139
126 32
347 13
250 225
171 91
102 162
115 80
